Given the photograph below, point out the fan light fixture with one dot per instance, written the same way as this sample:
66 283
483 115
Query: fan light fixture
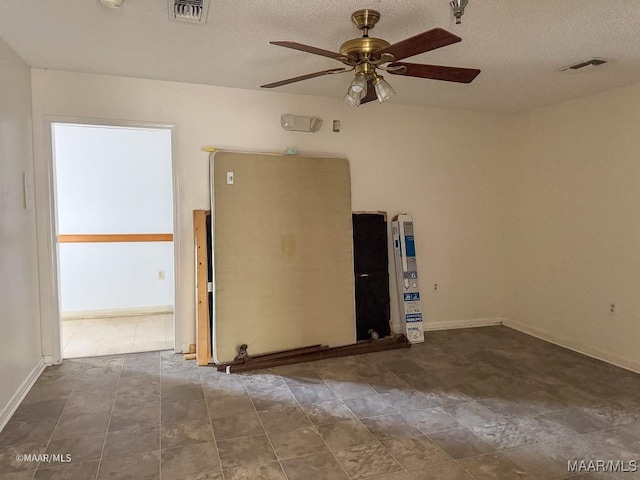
352 101
359 86
458 7
384 91
356 91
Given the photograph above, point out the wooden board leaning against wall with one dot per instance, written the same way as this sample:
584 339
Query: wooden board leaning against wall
203 319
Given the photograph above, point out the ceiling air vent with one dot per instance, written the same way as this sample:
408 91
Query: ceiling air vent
585 65
192 11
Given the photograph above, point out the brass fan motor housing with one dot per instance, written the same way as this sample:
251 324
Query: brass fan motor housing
361 47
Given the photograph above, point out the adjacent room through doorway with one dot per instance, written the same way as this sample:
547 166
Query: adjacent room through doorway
115 225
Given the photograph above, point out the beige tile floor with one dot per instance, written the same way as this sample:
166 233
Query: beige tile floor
475 404
116 335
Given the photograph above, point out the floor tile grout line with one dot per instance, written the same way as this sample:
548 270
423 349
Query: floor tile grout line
389 403
86 364
464 469
215 440
264 428
160 376
538 441
106 435
428 438
56 425
496 451
135 333
316 428
379 441
312 425
401 414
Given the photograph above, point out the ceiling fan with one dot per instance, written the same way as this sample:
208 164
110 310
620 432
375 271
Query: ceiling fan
366 55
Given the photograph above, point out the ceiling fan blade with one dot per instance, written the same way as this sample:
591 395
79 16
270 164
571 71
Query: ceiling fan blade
309 49
436 72
423 42
305 77
371 93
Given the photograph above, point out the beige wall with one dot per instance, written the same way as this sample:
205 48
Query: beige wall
531 216
443 166
20 350
573 223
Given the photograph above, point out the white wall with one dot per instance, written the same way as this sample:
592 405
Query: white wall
20 345
443 166
573 224
113 180
106 277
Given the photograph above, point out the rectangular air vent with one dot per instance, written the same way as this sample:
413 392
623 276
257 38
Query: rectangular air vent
192 11
584 66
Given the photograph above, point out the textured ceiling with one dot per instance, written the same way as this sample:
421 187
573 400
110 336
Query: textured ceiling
519 45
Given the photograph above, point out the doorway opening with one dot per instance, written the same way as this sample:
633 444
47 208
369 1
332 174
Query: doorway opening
114 214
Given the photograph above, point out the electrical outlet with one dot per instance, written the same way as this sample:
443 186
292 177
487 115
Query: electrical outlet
435 287
160 274
612 308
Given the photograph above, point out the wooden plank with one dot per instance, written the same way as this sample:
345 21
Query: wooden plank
399 341
116 238
281 354
203 330
289 353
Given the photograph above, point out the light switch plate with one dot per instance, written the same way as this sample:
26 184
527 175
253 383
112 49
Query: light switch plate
229 178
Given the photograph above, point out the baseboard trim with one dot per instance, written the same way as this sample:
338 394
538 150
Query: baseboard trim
48 360
17 398
468 323
117 312
621 362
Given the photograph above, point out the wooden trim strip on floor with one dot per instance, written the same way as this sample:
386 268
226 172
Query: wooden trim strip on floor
313 353
116 238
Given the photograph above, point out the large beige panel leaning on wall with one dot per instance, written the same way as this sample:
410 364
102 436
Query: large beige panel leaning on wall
283 255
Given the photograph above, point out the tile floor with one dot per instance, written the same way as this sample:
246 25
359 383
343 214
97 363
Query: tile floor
485 403
113 335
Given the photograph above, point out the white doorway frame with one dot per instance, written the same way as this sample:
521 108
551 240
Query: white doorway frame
50 317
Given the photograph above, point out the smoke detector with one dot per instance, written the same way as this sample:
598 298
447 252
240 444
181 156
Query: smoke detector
584 65
112 3
192 11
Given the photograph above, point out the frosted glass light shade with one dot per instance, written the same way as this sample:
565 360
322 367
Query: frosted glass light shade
384 91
